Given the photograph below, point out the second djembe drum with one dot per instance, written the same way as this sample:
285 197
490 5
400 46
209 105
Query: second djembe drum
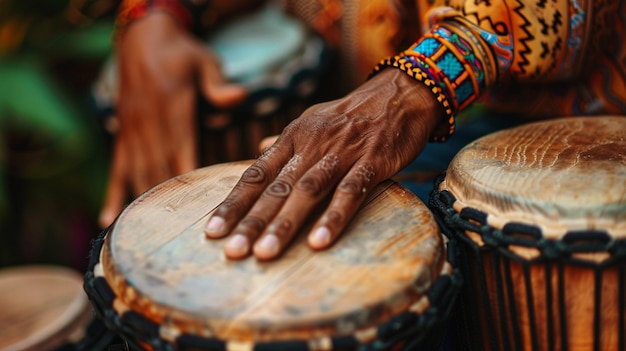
540 213
157 281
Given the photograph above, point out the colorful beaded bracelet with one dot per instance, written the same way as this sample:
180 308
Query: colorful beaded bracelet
450 61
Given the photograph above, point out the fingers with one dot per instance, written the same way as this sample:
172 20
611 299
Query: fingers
282 209
309 190
348 197
247 190
262 214
214 86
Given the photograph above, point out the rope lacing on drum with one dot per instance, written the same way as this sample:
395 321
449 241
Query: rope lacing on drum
406 332
553 254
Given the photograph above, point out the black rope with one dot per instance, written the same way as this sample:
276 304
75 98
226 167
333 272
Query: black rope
552 254
501 303
405 332
597 309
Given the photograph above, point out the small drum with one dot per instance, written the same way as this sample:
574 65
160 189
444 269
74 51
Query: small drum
539 211
274 55
41 308
157 281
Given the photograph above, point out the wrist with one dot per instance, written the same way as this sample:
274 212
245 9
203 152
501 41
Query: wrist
133 10
451 64
429 91
415 102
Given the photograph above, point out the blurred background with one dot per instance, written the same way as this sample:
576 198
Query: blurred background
53 153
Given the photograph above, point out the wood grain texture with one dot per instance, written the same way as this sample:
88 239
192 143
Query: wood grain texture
158 261
564 174
41 307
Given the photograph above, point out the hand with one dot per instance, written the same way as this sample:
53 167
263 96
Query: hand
342 149
161 67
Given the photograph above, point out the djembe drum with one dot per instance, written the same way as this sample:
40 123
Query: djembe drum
540 214
273 55
156 280
41 308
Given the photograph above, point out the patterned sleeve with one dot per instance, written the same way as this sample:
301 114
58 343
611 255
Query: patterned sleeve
470 45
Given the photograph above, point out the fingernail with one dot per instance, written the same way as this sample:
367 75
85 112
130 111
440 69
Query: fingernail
320 237
268 245
237 245
215 226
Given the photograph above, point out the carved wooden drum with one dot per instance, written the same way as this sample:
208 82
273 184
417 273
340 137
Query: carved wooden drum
540 214
156 280
41 308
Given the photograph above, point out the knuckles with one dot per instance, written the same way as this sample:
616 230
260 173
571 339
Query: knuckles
310 184
251 223
279 188
351 187
255 174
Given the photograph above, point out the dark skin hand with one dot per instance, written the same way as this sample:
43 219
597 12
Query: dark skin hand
340 149
161 67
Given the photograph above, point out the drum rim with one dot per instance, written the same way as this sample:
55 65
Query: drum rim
435 306
591 247
100 267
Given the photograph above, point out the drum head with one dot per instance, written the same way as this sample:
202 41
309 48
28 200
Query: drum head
253 45
41 307
539 174
159 264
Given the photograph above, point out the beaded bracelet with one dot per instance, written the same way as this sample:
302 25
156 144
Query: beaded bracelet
132 10
445 61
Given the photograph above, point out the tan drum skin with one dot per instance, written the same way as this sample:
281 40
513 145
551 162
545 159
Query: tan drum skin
159 264
41 307
560 175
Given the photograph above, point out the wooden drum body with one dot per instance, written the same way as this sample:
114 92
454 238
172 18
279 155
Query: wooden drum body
157 281
540 214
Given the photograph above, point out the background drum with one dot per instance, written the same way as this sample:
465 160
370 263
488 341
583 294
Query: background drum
41 308
540 211
160 283
274 55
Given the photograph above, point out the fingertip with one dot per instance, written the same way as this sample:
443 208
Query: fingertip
215 227
320 238
106 217
267 248
226 95
237 247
